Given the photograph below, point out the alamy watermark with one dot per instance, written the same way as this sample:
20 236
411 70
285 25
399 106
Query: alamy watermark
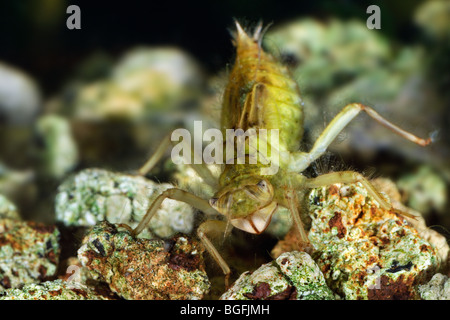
236 147
376 271
74 20
374 20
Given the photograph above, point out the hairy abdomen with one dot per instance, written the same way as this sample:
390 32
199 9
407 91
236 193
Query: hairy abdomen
261 94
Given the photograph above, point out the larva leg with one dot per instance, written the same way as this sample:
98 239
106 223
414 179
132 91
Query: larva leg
301 160
209 227
174 194
352 177
251 112
201 169
156 157
291 199
203 229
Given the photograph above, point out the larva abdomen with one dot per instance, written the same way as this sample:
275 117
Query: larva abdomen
261 94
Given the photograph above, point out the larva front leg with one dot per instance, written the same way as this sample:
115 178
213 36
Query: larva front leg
174 194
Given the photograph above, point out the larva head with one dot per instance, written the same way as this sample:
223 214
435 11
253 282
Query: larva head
248 203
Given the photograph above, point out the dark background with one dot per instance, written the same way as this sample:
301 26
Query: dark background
34 36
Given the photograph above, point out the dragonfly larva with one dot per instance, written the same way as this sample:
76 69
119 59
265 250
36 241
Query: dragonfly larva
261 95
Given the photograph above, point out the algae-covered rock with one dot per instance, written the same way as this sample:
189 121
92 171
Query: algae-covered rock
160 77
29 252
306 43
292 276
434 18
94 195
438 288
265 282
13 183
72 271
120 119
144 269
366 252
20 98
436 239
7 209
305 275
59 152
144 81
424 190
56 290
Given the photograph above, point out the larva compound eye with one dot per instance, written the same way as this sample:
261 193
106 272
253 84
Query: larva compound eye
213 202
263 184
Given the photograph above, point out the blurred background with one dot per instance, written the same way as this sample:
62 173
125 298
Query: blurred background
105 95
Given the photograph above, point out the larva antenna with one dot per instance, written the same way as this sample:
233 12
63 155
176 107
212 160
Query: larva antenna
240 31
240 35
258 29
258 35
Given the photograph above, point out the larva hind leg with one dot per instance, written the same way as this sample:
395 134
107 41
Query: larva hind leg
301 160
